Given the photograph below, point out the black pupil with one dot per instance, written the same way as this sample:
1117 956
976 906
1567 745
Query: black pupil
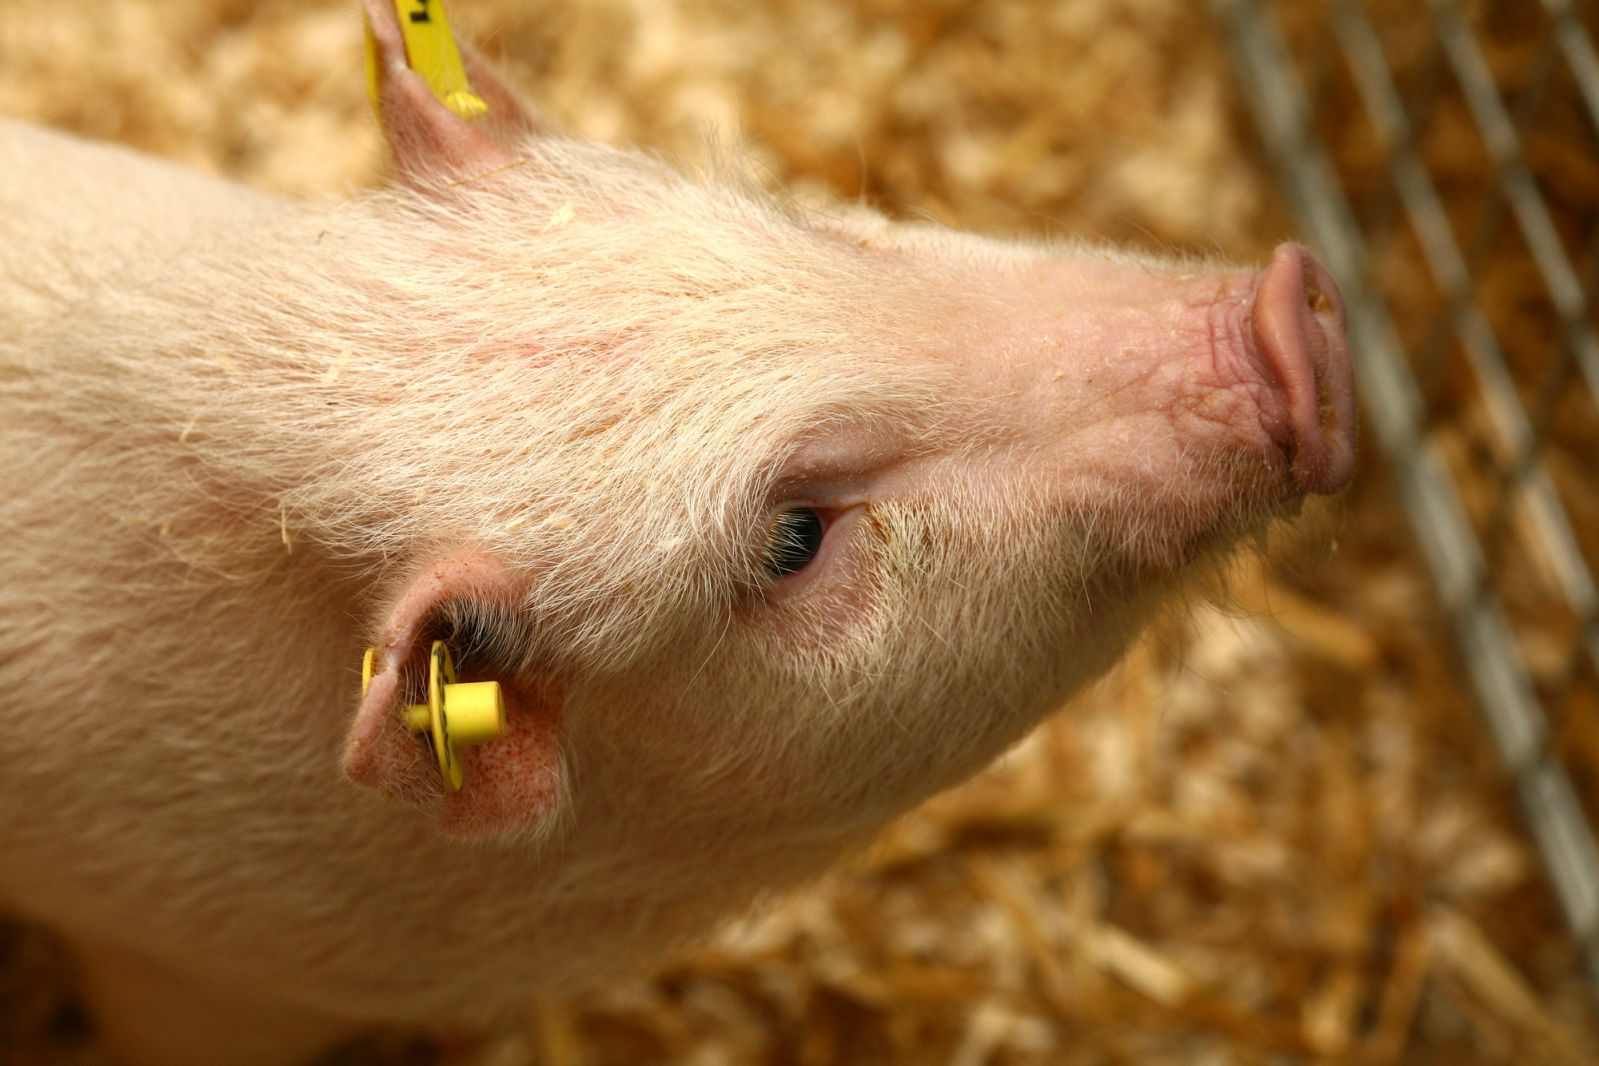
795 539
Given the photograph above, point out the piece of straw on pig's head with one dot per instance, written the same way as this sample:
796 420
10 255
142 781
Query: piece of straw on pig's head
770 523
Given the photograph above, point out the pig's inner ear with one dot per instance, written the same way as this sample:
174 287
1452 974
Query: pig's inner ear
511 786
427 140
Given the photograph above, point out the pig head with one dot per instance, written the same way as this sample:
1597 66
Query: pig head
769 522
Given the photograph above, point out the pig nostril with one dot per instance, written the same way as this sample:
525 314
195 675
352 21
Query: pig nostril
1316 297
1328 412
1319 301
1326 409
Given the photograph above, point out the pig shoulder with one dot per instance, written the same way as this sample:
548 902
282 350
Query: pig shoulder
74 214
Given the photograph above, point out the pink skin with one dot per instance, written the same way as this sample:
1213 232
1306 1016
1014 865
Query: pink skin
1018 448
1133 364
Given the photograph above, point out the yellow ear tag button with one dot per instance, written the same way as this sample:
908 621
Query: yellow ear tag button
456 715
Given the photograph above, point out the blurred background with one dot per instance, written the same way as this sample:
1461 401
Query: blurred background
1341 817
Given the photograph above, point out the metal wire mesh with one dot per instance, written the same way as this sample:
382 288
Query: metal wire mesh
1443 158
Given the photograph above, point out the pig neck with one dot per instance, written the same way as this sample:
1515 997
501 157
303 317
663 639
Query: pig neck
98 292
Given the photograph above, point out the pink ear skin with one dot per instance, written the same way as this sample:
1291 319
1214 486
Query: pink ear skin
510 117
427 139
511 785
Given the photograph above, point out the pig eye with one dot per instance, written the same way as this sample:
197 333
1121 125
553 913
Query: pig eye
793 540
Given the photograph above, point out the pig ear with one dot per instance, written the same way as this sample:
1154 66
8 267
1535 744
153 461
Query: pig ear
426 138
511 117
510 786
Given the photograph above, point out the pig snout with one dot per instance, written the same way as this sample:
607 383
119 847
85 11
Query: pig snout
1191 405
1296 330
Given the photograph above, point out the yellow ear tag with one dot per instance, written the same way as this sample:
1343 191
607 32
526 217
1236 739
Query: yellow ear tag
431 48
456 715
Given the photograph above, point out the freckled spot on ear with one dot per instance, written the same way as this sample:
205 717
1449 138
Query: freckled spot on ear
512 782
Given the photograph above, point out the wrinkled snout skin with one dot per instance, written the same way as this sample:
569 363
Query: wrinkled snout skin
545 400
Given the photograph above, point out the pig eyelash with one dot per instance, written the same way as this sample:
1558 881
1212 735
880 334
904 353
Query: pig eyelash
794 540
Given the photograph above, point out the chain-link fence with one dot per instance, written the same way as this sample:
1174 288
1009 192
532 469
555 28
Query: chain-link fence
1443 158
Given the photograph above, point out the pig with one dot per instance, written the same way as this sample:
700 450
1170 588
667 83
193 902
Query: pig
769 522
